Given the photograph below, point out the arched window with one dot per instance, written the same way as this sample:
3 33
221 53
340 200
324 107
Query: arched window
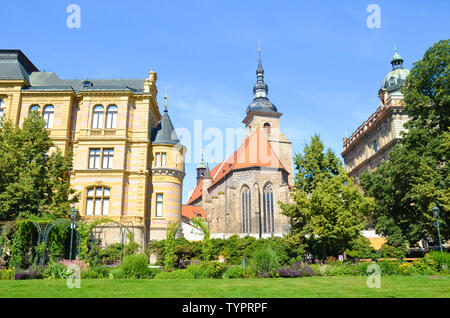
97 201
268 217
97 117
49 113
2 108
267 128
35 108
111 117
246 208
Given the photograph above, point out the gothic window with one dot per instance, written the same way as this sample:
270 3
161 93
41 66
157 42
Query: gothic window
35 108
97 117
111 117
49 114
2 108
97 201
246 208
267 128
268 216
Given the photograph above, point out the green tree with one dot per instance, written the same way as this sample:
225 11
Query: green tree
327 205
201 224
417 173
32 182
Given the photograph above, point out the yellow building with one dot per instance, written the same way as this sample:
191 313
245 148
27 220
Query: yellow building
128 163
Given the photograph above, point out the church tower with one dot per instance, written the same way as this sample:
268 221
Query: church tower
263 114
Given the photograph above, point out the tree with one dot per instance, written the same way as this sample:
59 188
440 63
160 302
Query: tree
327 205
417 173
200 223
32 182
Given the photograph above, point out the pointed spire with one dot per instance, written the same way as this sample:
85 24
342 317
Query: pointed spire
165 103
397 60
260 89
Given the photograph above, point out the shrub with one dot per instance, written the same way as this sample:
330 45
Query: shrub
213 269
135 266
389 251
239 272
56 271
110 254
296 270
265 259
389 268
176 274
425 266
197 270
361 248
406 269
7 274
28 274
116 273
442 259
95 272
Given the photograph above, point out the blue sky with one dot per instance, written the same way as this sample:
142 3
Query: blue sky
322 64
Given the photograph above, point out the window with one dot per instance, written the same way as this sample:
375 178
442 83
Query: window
268 217
159 204
375 145
267 128
49 113
2 108
246 208
160 159
108 155
97 117
97 155
97 201
111 117
35 108
94 158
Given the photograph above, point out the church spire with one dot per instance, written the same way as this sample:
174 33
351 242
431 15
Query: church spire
260 89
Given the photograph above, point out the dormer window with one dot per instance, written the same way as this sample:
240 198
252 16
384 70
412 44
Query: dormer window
87 83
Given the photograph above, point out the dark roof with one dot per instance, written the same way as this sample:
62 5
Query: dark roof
40 80
164 133
261 100
15 65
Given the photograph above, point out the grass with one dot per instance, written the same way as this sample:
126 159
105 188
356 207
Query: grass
339 286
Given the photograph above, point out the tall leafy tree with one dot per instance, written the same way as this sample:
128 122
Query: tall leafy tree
327 204
32 182
417 173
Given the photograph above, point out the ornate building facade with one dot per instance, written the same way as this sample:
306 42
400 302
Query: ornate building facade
241 194
370 144
128 163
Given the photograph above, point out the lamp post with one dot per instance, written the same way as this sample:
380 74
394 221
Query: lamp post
435 210
73 215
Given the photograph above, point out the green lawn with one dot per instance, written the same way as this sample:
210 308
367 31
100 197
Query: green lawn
340 286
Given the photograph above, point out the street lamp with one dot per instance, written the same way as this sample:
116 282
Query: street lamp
435 210
73 217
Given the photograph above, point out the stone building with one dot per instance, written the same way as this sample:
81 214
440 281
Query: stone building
241 194
128 163
370 144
